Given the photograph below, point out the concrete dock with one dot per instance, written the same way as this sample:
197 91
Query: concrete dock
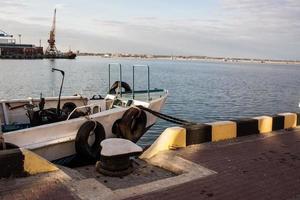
260 166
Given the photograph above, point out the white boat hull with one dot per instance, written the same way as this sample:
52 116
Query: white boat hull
57 140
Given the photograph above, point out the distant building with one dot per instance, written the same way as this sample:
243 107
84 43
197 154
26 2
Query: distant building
9 48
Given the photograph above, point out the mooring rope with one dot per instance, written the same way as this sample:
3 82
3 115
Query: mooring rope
167 117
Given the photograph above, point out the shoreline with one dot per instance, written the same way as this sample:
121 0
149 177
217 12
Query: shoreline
206 59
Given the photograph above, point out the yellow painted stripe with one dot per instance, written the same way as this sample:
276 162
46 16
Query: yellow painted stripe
34 164
223 130
290 120
171 138
264 124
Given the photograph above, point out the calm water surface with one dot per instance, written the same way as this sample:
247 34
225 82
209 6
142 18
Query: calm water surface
199 91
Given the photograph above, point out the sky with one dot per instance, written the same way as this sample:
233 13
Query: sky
227 28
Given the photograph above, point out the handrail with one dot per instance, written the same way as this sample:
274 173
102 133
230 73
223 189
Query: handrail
148 76
80 107
120 83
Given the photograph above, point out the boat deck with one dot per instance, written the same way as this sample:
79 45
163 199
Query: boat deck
250 167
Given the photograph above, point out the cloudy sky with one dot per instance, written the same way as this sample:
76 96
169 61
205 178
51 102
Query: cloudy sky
233 28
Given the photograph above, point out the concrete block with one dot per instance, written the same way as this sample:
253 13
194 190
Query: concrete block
246 127
171 138
34 164
290 119
264 124
278 122
197 133
223 130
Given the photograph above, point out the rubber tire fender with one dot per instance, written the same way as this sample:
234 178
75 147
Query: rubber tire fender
81 141
69 107
115 85
133 124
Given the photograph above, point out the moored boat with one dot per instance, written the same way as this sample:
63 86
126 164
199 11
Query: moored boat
58 127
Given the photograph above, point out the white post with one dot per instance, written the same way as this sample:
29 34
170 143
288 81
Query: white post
6 120
20 38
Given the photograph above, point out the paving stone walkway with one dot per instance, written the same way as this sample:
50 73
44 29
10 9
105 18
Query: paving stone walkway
42 187
254 167
251 168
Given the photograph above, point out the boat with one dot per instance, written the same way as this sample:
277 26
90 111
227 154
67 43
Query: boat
60 55
62 126
10 49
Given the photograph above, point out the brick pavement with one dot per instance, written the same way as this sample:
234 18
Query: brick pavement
267 168
35 188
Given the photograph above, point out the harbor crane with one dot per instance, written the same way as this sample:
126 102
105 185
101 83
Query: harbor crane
51 49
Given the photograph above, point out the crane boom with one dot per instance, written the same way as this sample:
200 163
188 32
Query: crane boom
52 32
52 48
54 21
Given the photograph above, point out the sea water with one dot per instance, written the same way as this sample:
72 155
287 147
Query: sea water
199 91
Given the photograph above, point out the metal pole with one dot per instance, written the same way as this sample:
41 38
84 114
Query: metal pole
148 82
120 84
20 38
133 82
108 77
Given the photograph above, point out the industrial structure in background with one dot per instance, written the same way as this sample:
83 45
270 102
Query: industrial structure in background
10 49
51 51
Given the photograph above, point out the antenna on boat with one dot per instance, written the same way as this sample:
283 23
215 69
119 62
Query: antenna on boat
62 82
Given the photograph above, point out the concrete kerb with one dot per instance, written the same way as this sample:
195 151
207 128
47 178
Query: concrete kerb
171 138
290 120
223 130
265 124
179 137
34 164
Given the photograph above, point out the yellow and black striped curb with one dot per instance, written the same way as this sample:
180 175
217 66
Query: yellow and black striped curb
176 137
19 162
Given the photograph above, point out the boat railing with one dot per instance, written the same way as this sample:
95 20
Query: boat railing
91 108
148 79
133 78
120 75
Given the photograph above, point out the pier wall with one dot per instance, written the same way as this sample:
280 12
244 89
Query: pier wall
220 130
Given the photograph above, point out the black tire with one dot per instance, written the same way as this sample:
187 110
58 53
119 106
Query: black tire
96 97
124 85
133 124
81 142
69 107
116 128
